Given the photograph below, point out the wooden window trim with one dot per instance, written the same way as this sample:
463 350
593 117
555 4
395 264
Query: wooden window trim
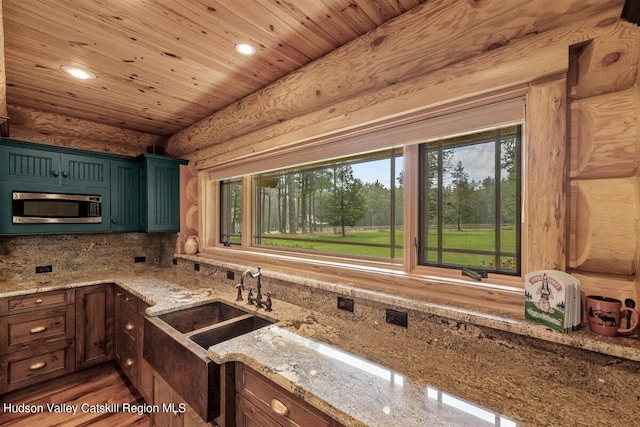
538 112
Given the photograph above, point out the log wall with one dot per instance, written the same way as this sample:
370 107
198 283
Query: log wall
587 218
55 129
604 146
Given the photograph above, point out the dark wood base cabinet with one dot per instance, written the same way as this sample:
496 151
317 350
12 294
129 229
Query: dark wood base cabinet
37 338
262 403
94 325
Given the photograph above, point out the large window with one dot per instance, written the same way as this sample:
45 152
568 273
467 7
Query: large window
469 201
348 206
230 212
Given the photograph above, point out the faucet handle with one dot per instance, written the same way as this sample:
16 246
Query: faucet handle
250 298
268 303
240 288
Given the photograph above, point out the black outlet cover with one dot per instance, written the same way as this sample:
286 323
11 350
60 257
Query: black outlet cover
139 259
44 269
231 275
196 266
345 303
399 318
175 261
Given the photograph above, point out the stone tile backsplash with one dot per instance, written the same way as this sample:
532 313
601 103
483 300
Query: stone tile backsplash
71 253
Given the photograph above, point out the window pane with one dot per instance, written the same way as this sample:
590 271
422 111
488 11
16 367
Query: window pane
470 201
230 211
346 206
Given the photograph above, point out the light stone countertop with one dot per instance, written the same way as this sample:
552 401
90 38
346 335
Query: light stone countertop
352 390
346 370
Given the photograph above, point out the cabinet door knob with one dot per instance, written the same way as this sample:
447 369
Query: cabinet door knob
38 329
55 173
279 407
129 362
129 326
37 366
38 301
65 174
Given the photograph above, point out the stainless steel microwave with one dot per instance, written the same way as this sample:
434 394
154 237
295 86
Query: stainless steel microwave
47 208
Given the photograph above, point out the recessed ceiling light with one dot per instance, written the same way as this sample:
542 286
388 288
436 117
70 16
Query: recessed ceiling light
78 73
245 49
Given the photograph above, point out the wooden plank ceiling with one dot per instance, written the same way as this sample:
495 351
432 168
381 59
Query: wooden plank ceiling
163 65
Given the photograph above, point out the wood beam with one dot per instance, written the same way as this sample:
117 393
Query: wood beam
427 38
609 63
545 160
55 129
604 226
605 135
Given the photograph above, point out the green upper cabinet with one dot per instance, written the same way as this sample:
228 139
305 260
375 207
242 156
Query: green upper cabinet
86 171
28 165
138 193
160 193
125 195
50 167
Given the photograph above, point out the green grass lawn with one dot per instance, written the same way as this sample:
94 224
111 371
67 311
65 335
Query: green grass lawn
354 243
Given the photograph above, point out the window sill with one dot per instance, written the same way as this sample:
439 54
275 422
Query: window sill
507 317
450 289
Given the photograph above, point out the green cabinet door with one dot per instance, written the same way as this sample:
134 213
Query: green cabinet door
21 164
84 171
125 195
29 165
160 188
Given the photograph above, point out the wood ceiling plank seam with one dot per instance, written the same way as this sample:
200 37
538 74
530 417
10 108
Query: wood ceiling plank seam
239 25
304 20
351 14
229 33
305 30
269 34
145 78
333 26
90 23
154 99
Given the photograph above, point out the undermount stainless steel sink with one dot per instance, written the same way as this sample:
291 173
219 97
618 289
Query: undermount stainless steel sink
228 330
191 319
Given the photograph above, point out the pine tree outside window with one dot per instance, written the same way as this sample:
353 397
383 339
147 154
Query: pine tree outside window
350 206
469 201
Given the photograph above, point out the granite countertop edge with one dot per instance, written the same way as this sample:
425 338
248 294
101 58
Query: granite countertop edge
625 348
618 347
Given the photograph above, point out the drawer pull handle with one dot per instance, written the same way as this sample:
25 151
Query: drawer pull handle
129 362
38 329
279 408
37 366
38 301
129 326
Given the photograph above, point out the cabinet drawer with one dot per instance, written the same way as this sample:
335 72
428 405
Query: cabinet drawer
127 299
130 324
248 415
278 403
23 303
129 359
22 331
32 366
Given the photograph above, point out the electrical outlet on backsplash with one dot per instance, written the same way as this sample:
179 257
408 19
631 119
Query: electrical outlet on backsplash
71 253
